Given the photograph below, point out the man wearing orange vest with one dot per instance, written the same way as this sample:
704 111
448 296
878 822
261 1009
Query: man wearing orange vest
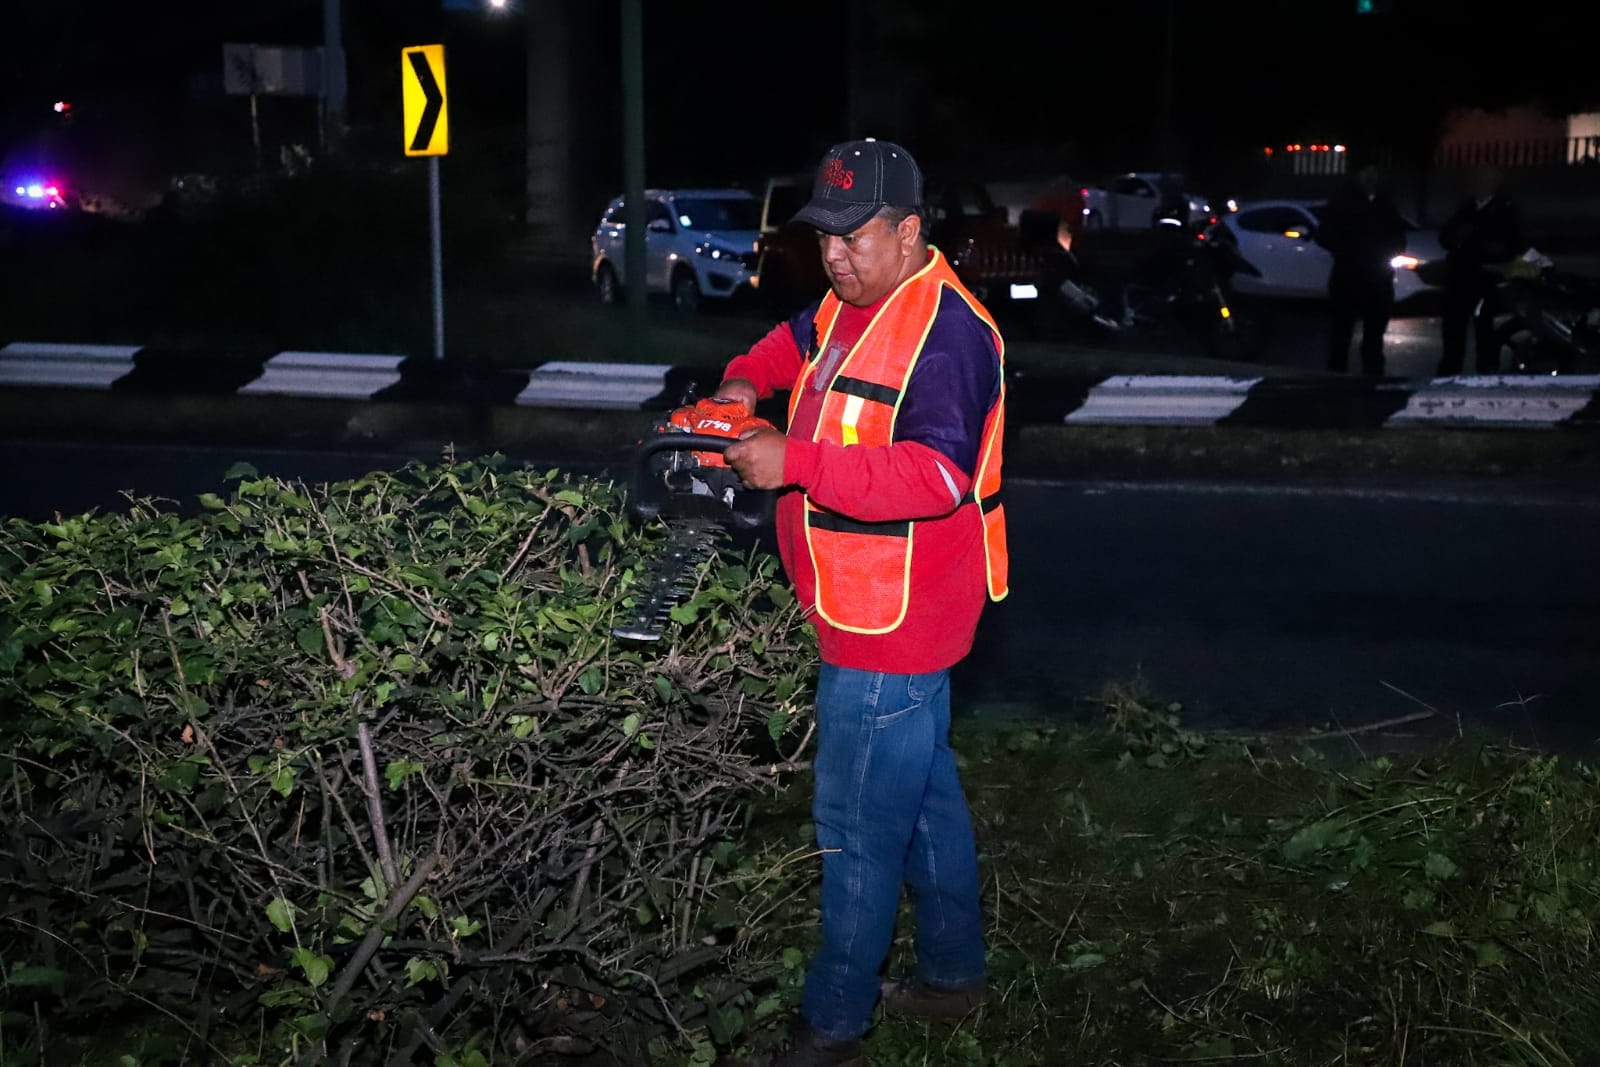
894 537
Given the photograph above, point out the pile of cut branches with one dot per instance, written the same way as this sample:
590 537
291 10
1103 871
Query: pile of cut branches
357 773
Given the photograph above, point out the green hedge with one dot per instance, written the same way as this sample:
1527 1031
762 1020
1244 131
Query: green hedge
356 772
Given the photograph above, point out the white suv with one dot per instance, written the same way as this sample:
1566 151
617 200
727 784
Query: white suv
699 244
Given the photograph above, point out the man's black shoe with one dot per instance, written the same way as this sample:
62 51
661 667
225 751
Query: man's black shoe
915 999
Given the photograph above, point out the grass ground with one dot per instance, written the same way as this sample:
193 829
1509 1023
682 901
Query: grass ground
1157 895
1160 896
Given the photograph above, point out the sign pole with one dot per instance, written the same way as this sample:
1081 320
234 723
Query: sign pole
427 133
437 243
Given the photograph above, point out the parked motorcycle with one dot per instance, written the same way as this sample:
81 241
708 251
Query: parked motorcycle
1546 318
1175 280
1552 318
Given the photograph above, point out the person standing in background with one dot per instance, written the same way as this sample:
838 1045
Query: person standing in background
1364 231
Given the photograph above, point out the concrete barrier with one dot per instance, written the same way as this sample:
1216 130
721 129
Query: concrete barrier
325 374
602 386
69 366
1502 401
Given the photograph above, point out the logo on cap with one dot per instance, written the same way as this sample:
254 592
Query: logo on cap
836 175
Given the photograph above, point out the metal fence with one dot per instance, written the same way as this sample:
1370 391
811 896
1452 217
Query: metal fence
1306 160
1552 152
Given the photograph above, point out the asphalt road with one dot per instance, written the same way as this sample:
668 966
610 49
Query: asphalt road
1267 606
1256 606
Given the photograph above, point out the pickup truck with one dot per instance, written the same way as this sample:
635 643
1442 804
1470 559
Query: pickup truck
999 262
1129 202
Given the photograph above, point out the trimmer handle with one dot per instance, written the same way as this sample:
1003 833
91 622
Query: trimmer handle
760 504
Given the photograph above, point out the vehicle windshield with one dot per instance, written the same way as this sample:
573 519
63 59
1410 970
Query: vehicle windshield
718 213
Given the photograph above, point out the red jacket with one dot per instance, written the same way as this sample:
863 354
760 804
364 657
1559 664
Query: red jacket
921 476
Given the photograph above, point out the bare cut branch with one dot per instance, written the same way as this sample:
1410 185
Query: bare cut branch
380 831
398 902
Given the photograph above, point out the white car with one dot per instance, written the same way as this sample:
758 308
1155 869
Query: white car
1129 202
699 244
1279 238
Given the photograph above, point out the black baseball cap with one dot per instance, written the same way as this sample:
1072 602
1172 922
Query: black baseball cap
856 180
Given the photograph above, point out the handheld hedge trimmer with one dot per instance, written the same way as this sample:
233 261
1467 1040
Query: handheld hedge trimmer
680 477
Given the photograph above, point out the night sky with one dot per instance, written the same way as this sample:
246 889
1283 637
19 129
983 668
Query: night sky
738 90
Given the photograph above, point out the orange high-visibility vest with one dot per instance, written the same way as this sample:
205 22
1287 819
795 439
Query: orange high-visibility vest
864 568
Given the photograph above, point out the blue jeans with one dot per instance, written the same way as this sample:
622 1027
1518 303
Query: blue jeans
889 810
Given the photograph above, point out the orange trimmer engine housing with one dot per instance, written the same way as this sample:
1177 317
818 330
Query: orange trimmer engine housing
679 471
714 418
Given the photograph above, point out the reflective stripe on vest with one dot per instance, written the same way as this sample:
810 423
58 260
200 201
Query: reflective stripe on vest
863 569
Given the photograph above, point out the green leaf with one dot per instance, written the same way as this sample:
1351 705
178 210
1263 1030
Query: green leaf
767 1006
725 1024
1309 840
684 614
316 967
420 970
630 725
283 780
241 470
1442 928
665 689
645 742
1439 866
568 496
181 776
1417 898
523 725
179 607
309 638
1489 954
642 915
403 662
290 994
398 771
592 680
280 913
212 502
25 974
426 905
777 723
461 926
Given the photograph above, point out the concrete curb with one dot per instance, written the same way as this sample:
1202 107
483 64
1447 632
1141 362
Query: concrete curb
1487 401
1520 402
